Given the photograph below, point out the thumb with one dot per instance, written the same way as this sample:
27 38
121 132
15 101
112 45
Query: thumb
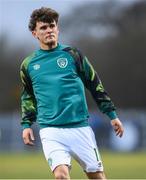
32 135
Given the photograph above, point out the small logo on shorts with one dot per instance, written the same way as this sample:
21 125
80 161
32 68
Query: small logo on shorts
62 62
99 164
50 161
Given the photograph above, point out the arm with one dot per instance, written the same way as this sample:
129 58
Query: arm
28 107
93 83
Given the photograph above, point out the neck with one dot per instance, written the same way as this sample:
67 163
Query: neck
48 46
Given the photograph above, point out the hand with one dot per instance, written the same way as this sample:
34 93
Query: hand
118 127
28 136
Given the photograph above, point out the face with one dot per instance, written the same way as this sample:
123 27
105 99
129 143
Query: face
46 33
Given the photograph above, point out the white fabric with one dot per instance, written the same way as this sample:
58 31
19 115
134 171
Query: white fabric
60 144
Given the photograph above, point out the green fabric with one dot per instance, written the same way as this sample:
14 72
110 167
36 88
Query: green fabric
112 115
93 83
28 104
58 91
53 89
97 154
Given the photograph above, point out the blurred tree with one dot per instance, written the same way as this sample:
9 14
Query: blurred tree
10 61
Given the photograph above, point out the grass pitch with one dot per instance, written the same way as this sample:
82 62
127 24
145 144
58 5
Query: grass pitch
34 166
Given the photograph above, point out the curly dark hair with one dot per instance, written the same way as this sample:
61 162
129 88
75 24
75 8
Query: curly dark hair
43 14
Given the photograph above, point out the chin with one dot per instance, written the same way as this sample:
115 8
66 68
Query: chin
51 43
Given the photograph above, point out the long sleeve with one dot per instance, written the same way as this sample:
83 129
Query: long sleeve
93 83
28 103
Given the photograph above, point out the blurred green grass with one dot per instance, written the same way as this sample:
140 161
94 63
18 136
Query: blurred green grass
34 166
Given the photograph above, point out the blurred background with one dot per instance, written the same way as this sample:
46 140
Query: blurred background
112 34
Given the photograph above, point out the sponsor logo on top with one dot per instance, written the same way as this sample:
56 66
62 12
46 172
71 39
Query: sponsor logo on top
36 67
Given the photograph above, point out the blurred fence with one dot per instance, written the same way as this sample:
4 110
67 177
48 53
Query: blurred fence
134 137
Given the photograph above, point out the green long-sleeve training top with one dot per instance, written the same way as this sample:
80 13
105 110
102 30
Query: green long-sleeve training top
53 89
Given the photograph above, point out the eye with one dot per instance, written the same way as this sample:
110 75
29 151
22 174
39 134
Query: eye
52 26
43 27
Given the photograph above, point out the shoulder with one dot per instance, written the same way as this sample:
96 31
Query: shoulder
68 48
27 60
74 51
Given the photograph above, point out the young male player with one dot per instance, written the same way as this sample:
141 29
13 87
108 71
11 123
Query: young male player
53 79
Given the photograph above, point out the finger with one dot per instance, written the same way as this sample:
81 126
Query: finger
27 141
30 143
122 131
32 135
119 132
116 131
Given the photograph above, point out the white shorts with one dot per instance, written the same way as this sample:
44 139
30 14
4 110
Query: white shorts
60 144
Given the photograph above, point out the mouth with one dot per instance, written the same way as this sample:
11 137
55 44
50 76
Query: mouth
50 36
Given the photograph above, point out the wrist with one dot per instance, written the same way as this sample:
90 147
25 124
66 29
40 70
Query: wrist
112 115
25 126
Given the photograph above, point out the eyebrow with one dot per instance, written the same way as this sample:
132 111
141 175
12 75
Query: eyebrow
47 24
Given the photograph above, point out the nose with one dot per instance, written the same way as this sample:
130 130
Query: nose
49 29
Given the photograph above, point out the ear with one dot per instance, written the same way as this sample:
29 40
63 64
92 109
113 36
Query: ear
34 34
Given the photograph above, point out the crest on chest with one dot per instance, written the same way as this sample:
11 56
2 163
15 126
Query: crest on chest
62 62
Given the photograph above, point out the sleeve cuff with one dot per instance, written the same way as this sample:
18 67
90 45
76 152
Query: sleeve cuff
24 126
112 115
